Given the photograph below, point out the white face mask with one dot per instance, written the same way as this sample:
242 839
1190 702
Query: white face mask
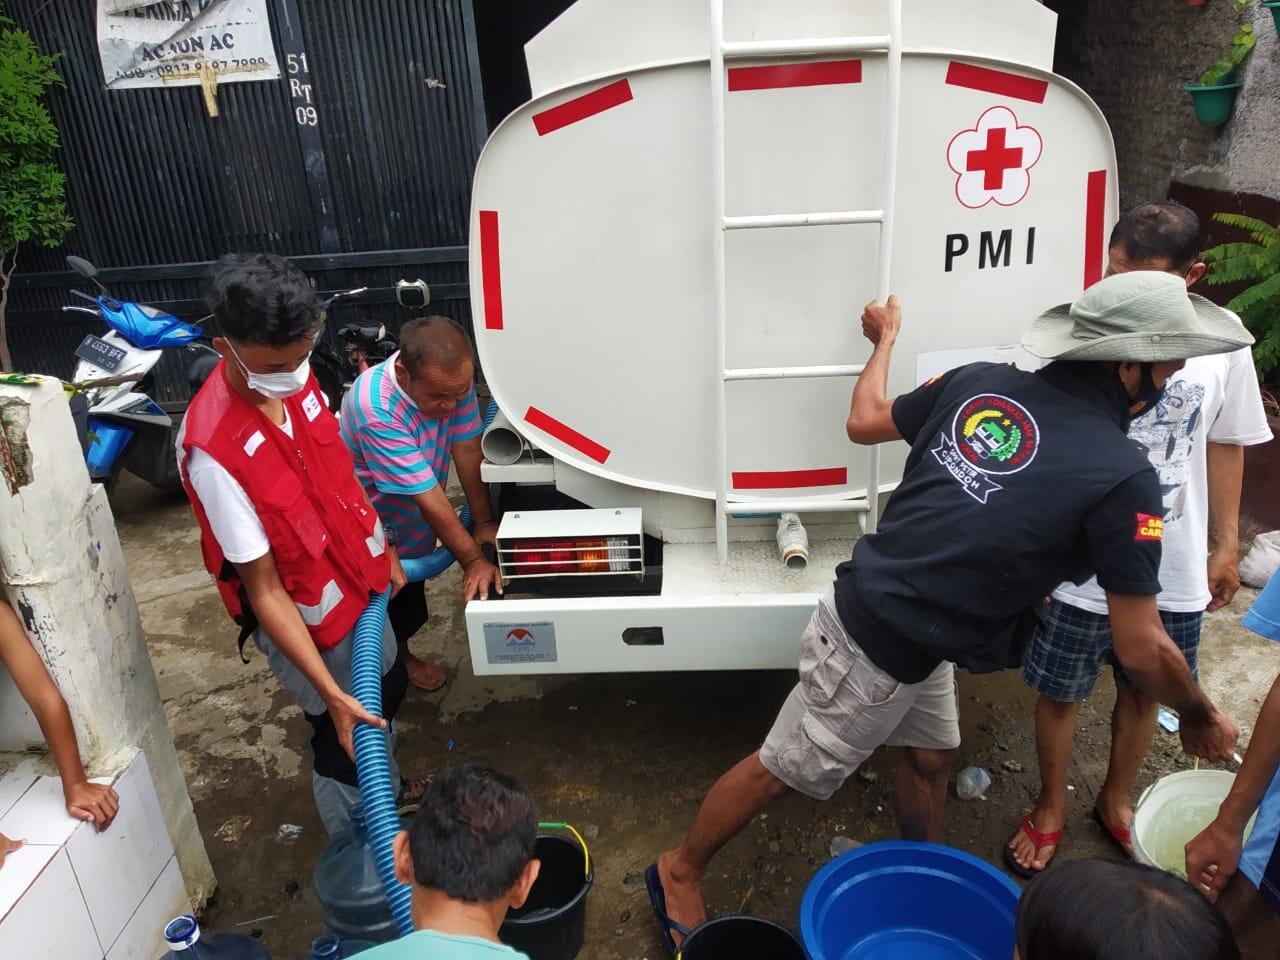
277 386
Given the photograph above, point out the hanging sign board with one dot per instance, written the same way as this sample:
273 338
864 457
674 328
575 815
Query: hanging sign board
184 42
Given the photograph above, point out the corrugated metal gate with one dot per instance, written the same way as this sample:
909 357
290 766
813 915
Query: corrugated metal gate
370 186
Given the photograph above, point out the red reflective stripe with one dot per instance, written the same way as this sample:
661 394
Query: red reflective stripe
997 82
787 479
566 434
579 108
1095 211
795 75
490 270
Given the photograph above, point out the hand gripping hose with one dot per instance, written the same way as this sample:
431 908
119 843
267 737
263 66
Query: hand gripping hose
373 763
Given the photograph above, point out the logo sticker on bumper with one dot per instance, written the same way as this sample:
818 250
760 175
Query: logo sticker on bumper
520 642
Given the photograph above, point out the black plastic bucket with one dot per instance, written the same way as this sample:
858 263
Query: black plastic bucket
741 938
553 921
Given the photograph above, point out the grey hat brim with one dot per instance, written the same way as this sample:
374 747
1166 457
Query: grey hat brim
1220 331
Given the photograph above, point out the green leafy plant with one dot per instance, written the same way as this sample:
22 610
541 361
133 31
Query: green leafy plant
32 188
1242 45
1256 259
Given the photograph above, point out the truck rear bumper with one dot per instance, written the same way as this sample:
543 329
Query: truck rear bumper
625 634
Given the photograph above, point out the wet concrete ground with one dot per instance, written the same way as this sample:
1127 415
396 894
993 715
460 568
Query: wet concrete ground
626 758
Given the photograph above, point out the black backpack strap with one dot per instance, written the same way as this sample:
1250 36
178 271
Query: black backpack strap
248 620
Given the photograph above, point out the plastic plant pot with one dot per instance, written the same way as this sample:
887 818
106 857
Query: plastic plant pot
1213 104
1274 7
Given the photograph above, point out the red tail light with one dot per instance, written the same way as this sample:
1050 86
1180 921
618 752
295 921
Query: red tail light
578 555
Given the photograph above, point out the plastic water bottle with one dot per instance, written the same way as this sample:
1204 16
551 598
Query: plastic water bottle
972 783
352 899
182 934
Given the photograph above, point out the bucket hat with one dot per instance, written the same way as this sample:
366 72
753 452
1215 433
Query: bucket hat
1143 316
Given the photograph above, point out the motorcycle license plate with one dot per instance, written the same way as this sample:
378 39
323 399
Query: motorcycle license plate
100 353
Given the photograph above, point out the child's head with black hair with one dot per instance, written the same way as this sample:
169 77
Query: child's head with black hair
470 848
260 299
267 316
1103 910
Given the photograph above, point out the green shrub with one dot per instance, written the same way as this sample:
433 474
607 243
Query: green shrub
32 188
1257 259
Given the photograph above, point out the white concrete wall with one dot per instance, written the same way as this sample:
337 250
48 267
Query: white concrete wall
65 575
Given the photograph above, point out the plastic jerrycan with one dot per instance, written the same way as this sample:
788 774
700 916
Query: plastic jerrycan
330 946
353 902
182 934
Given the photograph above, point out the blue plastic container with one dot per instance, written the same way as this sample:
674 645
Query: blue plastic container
183 937
1263 618
353 901
330 946
900 900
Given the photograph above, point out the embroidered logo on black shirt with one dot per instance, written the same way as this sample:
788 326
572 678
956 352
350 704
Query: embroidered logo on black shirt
991 435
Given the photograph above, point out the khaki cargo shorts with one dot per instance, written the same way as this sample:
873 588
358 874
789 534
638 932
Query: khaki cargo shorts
845 706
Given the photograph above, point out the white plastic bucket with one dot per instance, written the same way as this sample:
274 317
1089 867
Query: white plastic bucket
1208 784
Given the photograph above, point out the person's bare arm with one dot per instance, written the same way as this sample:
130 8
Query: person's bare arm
871 410
1157 668
1225 468
478 574
278 616
94 803
1213 855
468 457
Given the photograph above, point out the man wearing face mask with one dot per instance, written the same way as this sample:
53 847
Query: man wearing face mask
1015 482
1195 434
286 531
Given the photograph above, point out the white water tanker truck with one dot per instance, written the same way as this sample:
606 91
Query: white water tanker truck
671 244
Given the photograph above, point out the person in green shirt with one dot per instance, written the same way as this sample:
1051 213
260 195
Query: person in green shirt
469 857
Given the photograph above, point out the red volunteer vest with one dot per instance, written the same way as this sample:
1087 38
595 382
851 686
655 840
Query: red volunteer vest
327 543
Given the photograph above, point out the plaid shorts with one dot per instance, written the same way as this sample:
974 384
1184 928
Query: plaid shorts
1070 648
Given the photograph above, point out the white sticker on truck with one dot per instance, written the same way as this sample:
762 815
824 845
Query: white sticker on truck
520 642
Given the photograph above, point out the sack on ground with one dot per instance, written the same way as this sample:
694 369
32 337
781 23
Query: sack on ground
1262 560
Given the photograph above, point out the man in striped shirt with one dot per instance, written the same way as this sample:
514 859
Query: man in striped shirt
403 420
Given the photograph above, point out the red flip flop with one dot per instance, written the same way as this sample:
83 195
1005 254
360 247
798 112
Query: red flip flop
1120 836
1041 839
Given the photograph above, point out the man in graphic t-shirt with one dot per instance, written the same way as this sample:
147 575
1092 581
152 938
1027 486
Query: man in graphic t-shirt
1195 436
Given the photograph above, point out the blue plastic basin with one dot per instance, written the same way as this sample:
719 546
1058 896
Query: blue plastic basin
899 900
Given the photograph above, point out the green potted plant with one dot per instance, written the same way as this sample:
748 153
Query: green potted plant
1214 96
1274 7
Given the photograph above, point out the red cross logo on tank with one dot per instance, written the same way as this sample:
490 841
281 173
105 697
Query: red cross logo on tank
992 161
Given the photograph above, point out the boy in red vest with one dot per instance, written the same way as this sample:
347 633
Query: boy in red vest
285 528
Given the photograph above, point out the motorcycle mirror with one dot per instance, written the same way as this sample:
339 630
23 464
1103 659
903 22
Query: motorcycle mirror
414 295
83 267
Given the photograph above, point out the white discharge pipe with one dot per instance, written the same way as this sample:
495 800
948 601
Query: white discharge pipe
793 542
500 442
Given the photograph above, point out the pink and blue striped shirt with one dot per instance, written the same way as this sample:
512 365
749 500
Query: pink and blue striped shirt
399 451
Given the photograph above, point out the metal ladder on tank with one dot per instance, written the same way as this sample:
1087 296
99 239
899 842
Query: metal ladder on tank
891 45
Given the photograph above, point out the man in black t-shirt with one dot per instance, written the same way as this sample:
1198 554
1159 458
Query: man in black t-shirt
1015 482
